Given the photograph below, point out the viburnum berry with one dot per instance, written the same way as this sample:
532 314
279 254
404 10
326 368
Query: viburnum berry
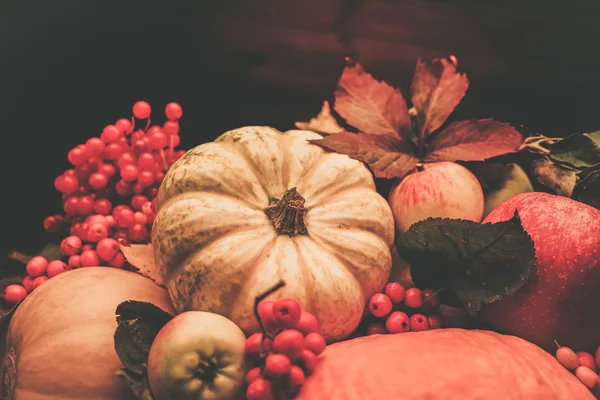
277 365
418 323
308 323
380 305
413 298
52 223
14 293
94 147
123 188
56 267
586 376
598 356
124 126
171 128
74 261
85 205
259 389
27 283
66 184
315 342
431 298
586 359
87 247
395 292
397 322
107 169
435 322
125 217
36 266
265 311
138 201
286 313
252 375
376 328
138 232
157 140
70 245
118 261
142 110
70 205
40 280
296 378
102 206
89 258
129 173
77 155
98 180
173 111
113 151
309 360
96 232
253 345
145 178
97 219
289 342
111 134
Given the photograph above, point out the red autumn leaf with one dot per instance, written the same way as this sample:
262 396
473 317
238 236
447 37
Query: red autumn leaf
370 105
436 91
388 156
324 122
474 140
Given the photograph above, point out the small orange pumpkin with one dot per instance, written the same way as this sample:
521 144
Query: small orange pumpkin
60 342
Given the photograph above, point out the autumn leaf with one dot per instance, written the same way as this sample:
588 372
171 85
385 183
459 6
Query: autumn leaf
387 156
370 105
436 91
324 122
141 257
474 140
553 176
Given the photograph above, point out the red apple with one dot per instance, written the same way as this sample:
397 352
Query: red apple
443 189
561 299
198 355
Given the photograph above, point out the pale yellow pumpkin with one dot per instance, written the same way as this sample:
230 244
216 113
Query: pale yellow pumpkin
224 232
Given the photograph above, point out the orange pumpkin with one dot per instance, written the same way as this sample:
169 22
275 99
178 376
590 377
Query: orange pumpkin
440 364
60 342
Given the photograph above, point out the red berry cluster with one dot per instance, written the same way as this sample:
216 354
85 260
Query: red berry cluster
285 354
108 195
583 364
399 310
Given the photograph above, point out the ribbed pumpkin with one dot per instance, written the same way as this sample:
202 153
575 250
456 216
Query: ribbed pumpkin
60 342
258 205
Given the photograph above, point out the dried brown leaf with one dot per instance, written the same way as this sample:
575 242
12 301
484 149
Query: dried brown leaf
474 140
141 257
436 91
324 122
552 175
370 105
387 156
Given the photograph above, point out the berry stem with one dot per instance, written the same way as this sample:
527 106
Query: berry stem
18 256
147 125
260 298
164 160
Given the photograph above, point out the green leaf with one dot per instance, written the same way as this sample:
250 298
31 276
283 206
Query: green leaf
479 262
580 151
5 319
138 325
587 189
500 183
560 180
51 251
137 383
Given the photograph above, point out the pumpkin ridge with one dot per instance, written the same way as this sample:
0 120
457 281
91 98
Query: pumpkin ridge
182 257
303 267
252 167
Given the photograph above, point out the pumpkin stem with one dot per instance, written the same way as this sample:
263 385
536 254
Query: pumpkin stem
287 214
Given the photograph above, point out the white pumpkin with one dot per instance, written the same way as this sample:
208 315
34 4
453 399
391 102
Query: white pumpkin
257 205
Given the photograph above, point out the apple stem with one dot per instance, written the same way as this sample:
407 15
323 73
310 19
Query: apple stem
419 167
260 298
558 345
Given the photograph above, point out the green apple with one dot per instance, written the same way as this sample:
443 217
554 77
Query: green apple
198 355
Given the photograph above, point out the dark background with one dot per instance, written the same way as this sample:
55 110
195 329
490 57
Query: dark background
68 68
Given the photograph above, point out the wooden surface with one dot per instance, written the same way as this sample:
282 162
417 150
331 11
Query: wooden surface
70 67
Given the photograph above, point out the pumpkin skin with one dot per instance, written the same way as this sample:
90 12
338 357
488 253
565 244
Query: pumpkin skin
440 364
217 249
62 335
